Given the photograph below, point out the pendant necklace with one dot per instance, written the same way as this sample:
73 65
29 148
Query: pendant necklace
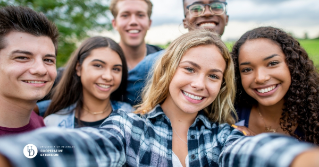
267 128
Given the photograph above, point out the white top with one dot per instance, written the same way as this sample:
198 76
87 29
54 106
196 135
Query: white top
177 163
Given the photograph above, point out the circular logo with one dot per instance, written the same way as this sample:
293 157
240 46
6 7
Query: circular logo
30 151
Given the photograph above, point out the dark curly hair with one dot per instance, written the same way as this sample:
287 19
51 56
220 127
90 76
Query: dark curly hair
302 99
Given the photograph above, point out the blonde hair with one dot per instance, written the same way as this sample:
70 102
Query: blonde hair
221 110
114 10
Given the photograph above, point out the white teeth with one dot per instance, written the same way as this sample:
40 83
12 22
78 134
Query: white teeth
133 31
208 25
103 86
265 90
35 82
192 96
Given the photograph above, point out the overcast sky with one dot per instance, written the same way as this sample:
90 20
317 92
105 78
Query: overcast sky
295 16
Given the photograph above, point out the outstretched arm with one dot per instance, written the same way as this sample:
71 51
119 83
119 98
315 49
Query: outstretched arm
264 150
86 147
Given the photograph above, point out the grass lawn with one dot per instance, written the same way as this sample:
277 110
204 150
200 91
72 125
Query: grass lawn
312 48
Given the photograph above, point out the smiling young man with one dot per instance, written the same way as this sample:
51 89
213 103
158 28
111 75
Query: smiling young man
28 47
132 21
207 14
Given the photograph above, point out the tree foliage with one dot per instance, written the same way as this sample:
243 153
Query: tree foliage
74 19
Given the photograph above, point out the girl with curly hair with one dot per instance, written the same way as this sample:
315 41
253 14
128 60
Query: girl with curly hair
277 85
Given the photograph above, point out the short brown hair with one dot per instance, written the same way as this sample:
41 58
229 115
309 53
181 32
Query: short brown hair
114 9
23 19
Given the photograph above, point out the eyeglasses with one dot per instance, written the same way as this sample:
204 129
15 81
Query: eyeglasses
197 9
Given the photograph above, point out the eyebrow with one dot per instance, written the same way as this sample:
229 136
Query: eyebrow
30 53
197 66
101 61
267 58
23 52
98 61
201 2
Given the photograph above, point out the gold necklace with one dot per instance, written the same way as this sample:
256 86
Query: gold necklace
95 113
267 128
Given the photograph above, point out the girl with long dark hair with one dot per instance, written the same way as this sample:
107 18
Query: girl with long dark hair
92 85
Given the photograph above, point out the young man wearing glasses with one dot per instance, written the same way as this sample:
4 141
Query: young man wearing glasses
207 14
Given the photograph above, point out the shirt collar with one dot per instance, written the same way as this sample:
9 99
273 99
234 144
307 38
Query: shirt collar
157 111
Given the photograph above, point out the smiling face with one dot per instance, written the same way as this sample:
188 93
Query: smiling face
132 22
197 80
27 66
208 20
100 73
264 73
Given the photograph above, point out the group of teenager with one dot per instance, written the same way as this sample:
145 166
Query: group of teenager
133 104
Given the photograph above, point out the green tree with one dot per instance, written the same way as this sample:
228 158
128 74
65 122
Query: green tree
74 19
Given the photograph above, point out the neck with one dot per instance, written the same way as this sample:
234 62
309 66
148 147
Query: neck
271 113
103 108
15 113
133 54
179 119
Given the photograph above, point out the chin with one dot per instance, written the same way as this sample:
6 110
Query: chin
191 110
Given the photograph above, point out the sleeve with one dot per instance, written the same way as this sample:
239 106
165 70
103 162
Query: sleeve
264 150
84 147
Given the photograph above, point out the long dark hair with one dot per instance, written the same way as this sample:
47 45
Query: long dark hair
302 99
69 89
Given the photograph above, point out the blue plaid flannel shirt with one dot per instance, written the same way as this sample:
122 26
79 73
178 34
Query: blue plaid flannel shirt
127 139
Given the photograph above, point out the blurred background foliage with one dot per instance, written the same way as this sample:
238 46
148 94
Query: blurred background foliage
74 19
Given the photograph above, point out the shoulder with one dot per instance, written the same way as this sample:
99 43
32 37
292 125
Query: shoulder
119 105
152 48
226 133
62 118
122 122
243 114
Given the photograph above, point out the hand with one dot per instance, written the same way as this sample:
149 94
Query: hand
4 162
308 158
246 131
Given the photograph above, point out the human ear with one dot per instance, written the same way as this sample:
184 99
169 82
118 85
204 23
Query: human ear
114 24
185 23
227 18
78 69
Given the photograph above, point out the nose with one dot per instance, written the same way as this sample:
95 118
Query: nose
133 20
261 76
207 11
107 75
38 67
198 83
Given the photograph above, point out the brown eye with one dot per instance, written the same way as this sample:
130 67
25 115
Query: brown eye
246 70
273 63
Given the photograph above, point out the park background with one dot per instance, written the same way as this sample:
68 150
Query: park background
79 19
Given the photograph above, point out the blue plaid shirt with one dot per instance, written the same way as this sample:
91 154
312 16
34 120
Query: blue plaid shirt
127 139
